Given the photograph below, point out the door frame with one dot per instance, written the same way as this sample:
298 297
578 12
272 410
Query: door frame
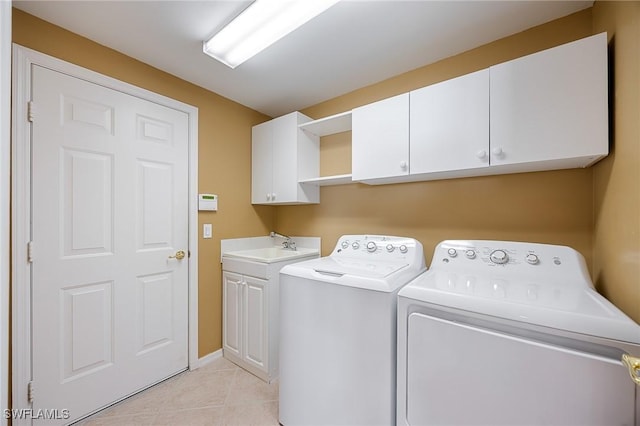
5 200
23 59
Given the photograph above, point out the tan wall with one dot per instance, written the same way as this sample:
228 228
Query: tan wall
616 247
224 152
549 207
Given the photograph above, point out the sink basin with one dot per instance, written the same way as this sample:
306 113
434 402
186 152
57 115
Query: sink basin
271 254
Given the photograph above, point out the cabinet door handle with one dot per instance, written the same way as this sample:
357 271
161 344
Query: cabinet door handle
273 196
633 364
268 196
403 165
497 151
481 154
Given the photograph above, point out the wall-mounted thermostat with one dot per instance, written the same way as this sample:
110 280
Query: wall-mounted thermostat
208 202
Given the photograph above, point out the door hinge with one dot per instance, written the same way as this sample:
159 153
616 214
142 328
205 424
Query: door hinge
30 111
30 392
30 252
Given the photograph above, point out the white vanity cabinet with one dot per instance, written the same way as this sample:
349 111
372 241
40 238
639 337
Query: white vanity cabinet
281 156
380 139
449 125
250 310
245 326
549 110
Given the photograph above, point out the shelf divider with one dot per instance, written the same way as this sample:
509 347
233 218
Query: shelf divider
337 123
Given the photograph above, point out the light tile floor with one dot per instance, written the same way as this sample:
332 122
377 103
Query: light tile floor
219 393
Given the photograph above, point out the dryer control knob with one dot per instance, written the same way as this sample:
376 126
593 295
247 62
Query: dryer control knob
470 254
452 252
355 245
345 244
390 248
371 246
403 249
532 259
499 256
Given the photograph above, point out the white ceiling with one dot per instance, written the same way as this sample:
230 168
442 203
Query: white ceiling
353 44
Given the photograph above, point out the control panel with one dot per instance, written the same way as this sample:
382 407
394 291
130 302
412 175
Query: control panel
508 258
379 247
529 273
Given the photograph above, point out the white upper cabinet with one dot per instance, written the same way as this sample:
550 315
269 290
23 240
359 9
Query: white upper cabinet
449 125
380 139
281 156
549 110
544 111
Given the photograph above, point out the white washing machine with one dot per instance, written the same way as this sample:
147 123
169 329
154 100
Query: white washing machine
338 331
506 333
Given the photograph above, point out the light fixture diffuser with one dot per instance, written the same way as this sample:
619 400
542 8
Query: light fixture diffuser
260 25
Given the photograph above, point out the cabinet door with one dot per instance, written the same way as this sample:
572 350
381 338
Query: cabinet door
255 322
449 125
261 163
551 105
232 312
380 139
285 158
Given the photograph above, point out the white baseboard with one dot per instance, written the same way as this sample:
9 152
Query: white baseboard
208 359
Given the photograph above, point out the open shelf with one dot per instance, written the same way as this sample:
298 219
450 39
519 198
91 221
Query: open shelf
329 125
329 180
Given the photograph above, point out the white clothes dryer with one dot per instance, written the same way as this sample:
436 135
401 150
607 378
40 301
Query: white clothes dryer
507 333
338 331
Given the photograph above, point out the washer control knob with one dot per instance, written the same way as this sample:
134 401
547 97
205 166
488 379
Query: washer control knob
355 245
499 256
371 246
532 259
403 249
452 252
345 244
470 254
390 248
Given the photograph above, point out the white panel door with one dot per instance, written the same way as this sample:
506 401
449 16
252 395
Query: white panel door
551 105
380 139
255 322
231 312
110 206
449 125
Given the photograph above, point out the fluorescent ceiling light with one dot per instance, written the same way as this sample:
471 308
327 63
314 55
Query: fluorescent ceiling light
259 26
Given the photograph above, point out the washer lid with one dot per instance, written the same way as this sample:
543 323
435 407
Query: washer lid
380 276
358 267
561 305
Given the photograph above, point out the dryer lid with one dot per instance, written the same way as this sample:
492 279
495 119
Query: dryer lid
559 305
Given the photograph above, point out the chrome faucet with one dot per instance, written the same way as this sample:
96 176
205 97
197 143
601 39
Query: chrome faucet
288 243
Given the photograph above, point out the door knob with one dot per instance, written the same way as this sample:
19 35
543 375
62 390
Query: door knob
180 254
